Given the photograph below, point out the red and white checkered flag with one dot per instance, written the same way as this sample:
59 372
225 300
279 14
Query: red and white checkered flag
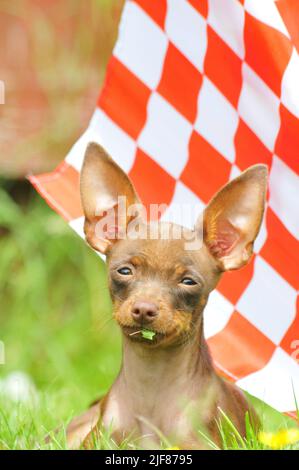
195 92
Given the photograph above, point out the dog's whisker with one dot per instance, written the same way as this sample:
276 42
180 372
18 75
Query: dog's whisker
135 333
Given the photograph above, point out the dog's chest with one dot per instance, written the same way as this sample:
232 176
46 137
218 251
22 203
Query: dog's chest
149 424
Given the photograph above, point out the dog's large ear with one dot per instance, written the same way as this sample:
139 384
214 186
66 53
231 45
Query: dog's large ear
102 183
233 217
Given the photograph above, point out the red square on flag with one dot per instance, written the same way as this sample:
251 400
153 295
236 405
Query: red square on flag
240 347
289 10
156 10
229 77
287 143
201 6
261 40
290 342
61 190
233 283
249 148
281 250
144 171
206 170
124 98
177 70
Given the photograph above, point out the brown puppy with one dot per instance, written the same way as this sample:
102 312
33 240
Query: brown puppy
162 284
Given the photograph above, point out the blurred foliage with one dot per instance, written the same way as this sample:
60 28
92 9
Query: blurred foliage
53 58
55 315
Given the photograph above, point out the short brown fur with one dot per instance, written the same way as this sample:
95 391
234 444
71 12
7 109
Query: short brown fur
168 383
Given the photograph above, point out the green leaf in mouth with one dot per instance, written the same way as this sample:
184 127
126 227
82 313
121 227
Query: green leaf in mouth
147 334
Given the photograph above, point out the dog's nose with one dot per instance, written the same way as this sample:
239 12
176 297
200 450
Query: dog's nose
144 312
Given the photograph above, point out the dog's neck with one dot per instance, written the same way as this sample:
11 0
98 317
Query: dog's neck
178 370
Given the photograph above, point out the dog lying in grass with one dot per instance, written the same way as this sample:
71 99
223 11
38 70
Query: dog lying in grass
159 286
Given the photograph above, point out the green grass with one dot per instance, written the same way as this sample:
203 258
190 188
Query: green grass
55 322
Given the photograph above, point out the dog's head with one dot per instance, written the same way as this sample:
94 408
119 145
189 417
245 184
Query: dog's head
160 275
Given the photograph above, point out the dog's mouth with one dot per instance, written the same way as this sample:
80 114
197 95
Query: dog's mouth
142 334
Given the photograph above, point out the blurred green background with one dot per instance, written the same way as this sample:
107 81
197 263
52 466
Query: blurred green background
55 311
55 318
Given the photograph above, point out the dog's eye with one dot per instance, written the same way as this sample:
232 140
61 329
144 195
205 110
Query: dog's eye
187 281
125 271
